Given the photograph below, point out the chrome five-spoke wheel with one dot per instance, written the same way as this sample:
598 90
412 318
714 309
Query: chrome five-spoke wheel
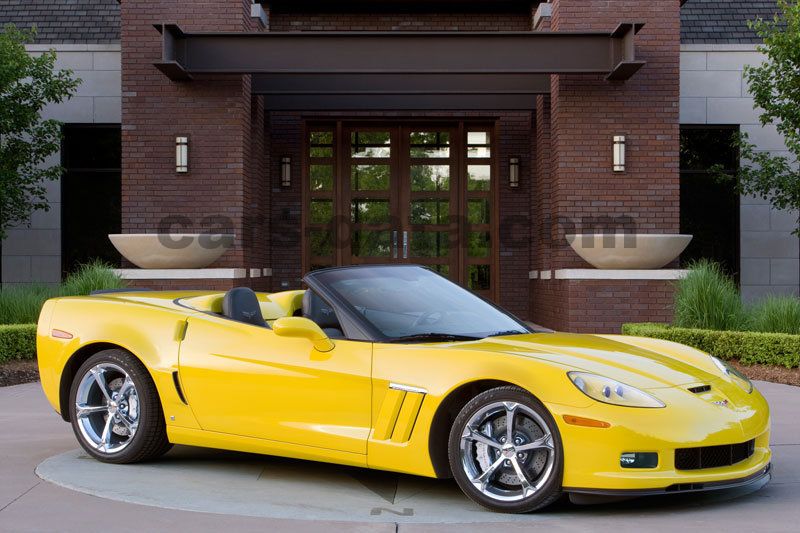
107 408
115 409
505 451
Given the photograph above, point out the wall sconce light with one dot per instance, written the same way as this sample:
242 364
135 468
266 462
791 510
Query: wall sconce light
286 171
619 153
181 154
513 172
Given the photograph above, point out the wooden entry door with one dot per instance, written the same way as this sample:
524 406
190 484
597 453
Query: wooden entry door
407 193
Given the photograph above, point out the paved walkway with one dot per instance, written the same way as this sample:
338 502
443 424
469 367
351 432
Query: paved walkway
305 496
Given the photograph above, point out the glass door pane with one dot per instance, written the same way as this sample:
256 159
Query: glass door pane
478 190
430 215
371 194
320 208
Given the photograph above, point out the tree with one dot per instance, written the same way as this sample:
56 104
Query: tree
775 86
27 84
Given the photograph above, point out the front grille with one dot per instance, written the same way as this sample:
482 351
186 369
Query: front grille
713 456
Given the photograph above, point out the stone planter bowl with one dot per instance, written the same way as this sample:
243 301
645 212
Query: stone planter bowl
171 250
628 251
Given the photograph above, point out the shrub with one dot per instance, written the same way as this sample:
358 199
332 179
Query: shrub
21 304
749 347
17 341
92 276
708 299
776 314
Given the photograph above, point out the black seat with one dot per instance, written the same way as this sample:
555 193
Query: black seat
318 311
241 304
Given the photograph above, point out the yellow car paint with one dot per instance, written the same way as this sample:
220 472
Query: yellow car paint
374 404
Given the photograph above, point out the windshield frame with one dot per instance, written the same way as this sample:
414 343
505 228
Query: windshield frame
358 328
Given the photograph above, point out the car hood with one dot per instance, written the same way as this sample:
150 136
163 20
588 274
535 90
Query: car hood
642 363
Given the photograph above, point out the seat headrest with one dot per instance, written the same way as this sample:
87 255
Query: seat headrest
241 304
315 309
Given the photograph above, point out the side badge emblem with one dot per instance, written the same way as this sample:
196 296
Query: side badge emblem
722 403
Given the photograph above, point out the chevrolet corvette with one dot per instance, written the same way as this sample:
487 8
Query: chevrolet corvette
394 367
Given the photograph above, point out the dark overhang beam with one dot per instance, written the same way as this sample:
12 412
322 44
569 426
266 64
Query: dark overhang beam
186 54
400 91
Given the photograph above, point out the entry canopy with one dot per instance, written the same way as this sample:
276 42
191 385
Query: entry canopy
415 70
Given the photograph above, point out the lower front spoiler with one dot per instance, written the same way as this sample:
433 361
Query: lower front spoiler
587 495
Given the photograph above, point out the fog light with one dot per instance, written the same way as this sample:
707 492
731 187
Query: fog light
638 460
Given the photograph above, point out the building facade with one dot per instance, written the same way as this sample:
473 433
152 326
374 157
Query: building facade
375 132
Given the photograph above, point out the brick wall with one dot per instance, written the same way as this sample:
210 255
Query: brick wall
600 306
541 195
223 182
577 191
494 21
587 111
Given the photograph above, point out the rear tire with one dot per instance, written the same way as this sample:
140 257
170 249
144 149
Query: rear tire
512 470
115 410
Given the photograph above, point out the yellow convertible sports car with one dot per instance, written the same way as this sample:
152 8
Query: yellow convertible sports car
396 368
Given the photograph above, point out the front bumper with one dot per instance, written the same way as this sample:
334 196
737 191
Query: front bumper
761 477
592 455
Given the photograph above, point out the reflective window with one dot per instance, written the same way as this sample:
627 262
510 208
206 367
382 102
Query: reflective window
369 211
479 177
478 211
370 144
430 243
430 178
430 211
478 144
369 177
430 144
321 177
321 144
320 211
371 243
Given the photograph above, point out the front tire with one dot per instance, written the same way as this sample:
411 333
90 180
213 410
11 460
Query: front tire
505 451
115 410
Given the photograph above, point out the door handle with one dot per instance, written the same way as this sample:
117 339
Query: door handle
394 244
405 245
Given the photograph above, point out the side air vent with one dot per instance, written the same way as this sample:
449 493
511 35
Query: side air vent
398 413
178 388
700 389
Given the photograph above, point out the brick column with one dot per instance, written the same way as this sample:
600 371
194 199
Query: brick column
588 111
223 122
585 194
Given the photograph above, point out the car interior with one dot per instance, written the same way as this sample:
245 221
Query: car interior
242 304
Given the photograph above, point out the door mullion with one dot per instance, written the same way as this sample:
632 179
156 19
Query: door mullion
402 191
343 193
458 181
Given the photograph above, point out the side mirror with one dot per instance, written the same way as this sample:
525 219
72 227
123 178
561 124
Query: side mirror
303 328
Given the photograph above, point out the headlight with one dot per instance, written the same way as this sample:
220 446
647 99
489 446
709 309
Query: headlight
736 376
607 390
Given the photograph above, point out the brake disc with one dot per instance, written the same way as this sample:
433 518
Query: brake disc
525 431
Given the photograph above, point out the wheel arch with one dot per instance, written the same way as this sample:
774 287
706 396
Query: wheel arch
446 414
74 363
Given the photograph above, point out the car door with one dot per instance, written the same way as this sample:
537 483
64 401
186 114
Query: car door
245 380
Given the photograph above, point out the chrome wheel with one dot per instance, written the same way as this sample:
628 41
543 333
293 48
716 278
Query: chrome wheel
107 408
507 451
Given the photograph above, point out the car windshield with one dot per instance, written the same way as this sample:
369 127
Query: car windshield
411 303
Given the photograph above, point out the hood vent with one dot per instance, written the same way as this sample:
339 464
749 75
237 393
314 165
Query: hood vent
700 389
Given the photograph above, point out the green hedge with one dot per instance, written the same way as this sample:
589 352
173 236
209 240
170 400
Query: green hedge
17 341
749 347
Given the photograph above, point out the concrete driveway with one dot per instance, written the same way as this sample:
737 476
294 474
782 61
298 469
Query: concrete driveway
30 434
